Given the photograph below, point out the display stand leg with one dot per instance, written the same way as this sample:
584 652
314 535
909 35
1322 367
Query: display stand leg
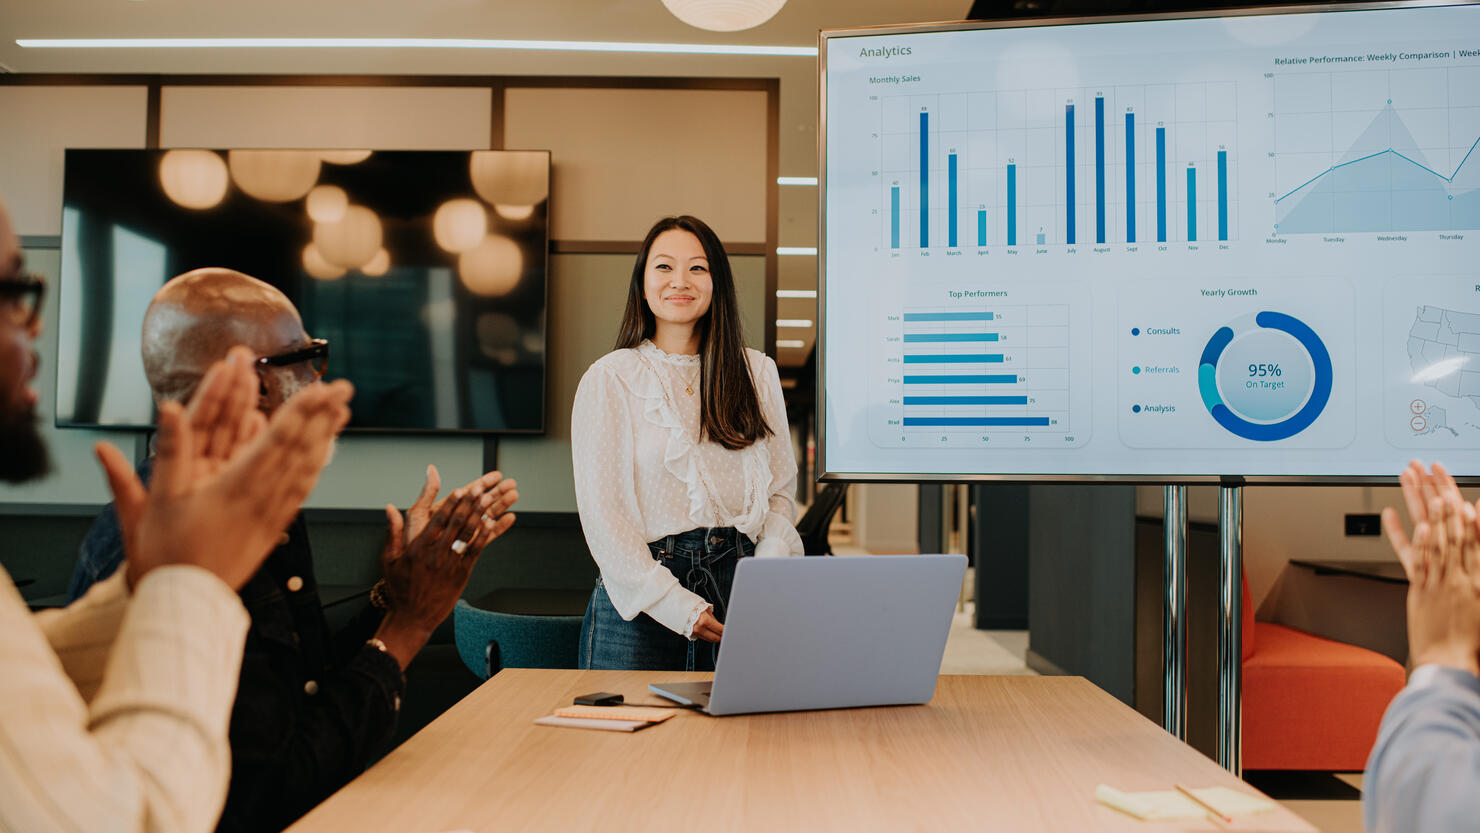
1174 614
1230 628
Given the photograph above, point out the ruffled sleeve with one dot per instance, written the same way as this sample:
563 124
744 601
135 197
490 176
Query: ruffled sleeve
779 534
611 517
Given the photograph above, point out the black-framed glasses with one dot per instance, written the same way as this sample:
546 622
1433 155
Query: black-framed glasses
316 354
21 296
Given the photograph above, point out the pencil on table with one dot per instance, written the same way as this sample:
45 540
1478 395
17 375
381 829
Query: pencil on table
1214 811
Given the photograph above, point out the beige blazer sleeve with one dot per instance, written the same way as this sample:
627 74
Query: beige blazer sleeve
82 633
149 751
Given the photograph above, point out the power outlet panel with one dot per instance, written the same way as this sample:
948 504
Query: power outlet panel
1363 524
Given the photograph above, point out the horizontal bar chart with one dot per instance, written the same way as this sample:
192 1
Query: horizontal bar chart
979 379
954 358
966 400
948 316
1025 388
916 338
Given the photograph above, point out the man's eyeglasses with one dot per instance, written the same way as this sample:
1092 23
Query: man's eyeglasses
316 354
20 298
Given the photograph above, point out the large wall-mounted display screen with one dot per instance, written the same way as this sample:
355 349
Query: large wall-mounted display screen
425 270
1162 249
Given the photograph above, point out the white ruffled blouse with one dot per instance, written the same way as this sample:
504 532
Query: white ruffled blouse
642 473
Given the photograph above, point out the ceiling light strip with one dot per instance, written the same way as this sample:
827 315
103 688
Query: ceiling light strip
796 250
796 180
415 43
796 293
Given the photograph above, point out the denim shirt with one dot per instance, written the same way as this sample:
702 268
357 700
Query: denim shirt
1426 762
311 707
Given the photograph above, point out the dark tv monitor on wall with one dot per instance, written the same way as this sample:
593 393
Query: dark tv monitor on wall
425 270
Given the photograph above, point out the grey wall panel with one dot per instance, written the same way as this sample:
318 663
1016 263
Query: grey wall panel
40 123
1082 583
1000 545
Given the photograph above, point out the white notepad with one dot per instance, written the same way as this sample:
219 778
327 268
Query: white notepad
590 723
1170 804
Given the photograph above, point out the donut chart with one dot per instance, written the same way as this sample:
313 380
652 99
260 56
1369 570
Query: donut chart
1265 376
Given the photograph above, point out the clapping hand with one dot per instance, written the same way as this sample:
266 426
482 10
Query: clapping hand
402 532
430 554
1442 560
226 481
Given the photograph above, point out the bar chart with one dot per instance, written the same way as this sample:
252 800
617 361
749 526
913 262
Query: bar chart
985 369
1143 164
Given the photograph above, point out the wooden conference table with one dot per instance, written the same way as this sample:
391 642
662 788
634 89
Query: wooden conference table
1016 754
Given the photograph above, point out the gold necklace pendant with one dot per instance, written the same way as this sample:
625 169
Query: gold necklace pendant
689 389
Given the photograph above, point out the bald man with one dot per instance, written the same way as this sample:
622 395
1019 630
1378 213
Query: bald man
312 706
195 318
192 322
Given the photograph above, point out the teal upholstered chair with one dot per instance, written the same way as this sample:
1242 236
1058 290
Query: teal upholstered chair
489 640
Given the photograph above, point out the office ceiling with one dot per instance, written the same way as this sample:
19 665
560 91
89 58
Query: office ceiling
796 24
608 20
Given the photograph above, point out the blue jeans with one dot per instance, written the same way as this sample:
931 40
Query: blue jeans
704 562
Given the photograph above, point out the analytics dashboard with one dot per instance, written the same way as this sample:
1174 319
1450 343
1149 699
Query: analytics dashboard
1153 248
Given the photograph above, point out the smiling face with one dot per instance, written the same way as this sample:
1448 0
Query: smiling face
676 280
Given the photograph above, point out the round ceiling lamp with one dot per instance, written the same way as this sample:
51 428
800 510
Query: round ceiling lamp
344 157
510 177
493 267
326 203
319 268
193 178
514 212
724 15
274 175
459 225
352 241
378 265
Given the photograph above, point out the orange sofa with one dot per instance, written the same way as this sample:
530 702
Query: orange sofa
1310 703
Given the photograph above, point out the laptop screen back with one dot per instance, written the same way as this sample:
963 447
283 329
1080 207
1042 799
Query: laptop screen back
839 632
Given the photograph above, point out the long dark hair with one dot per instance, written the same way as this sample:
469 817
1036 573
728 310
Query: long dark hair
729 408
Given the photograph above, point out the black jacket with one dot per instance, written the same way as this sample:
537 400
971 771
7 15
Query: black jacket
311 707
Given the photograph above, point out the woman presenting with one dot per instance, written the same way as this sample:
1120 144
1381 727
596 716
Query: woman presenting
683 462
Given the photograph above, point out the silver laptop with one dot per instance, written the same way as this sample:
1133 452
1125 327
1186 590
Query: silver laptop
830 633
